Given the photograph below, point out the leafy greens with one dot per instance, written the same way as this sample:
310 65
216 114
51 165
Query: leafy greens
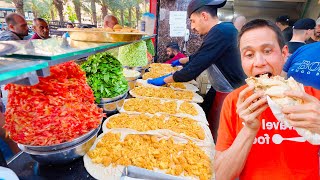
105 76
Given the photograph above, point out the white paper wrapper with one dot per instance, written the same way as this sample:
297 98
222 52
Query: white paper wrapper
189 87
311 137
98 171
208 136
200 117
196 97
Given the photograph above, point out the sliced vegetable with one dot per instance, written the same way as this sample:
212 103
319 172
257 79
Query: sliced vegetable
133 55
56 110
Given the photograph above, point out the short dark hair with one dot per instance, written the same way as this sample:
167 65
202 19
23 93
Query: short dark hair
284 20
259 23
38 19
212 10
10 18
174 46
69 24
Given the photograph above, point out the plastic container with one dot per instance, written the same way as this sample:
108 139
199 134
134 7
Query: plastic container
149 20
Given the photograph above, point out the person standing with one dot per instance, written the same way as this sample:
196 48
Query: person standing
173 51
315 37
239 21
218 54
66 35
110 21
40 28
247 147
304 65
17 28
302 31
283 23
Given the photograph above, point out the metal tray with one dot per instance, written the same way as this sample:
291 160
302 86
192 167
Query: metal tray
92 35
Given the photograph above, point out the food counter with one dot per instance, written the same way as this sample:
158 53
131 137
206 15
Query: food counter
28 169
30 58
168 136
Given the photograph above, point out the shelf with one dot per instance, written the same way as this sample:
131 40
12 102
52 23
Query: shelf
33 58
22 71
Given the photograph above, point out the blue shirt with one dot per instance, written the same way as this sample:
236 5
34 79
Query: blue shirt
304 65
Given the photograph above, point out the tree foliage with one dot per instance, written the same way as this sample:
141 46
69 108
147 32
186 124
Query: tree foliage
71 14
128 12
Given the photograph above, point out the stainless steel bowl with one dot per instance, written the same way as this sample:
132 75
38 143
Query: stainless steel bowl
62 156
61 145
108 100
110 107
142 70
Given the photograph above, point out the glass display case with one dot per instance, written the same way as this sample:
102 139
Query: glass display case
33 58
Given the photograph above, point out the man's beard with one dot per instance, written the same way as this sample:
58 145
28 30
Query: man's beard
22 33
317 34
171 55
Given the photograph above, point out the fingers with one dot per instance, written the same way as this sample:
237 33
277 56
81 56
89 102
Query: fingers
253 99
301 95
243 94
310 125
310 116
251 118
303 108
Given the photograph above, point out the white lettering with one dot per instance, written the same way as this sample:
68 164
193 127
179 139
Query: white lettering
269 125
282 126
314 66
276 125
263 124
267 137
261 140
304 65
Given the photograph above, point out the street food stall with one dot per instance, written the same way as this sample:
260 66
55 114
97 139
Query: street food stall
101 119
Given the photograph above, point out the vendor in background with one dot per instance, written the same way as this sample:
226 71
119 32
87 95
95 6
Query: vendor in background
17 28
66 35
315 37
238 22
302 31
173 51
246 147
110 21
283 23
40 28
218 54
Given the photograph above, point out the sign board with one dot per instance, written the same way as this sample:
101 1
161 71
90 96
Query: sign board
178 23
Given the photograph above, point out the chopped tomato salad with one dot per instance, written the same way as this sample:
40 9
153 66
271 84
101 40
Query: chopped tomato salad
58 109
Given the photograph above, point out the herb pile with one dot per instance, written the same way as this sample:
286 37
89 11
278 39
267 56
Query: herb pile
105 76
133 55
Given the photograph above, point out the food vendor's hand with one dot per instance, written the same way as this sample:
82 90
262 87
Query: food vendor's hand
158 81
249 107
306 115
176 63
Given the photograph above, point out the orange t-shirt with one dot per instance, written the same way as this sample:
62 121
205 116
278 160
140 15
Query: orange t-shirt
268 160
